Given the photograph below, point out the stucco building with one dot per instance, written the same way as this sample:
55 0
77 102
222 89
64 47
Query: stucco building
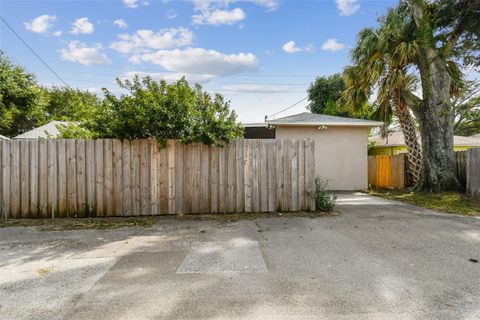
341 145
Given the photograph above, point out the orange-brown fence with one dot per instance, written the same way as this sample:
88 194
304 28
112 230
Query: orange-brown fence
386 171
78 178
389 171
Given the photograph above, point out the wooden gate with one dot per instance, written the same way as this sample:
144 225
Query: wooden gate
387 171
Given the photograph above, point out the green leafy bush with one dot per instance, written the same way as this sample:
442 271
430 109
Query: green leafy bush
159 110
323 200
73 131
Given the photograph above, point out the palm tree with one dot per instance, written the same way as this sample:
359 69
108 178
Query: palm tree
380 64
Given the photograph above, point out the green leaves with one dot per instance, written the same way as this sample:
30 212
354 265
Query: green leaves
68 104
22 101
324 93
155 109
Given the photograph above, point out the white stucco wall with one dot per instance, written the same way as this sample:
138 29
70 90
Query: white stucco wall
340 153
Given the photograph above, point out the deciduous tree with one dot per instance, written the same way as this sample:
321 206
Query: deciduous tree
22 101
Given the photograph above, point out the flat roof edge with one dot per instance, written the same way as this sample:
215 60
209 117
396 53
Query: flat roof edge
332 124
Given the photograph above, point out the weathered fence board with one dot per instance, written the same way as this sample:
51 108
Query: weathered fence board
473 172
80 178
387 171
461 166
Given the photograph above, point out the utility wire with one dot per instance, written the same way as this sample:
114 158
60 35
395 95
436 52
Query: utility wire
293 105
115 75
213 82
30 48
260 75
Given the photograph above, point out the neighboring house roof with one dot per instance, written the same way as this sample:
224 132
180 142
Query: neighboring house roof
476 136
396 139
45 131
314 119
4 138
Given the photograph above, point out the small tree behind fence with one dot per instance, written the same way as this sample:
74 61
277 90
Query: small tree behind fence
80 178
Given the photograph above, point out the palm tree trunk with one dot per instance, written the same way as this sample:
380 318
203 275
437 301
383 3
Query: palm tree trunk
414 153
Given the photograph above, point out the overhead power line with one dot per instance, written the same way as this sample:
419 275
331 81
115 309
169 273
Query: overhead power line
113 76
253 75
207 82
285 109
33 51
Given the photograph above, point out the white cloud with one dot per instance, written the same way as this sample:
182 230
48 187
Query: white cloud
256 88
130 3
199 61
217 17
269 4
81 53
120 23
147 39
347 7
168 76
82 26
291 47
171 14
40 24
332 45
216 12
57 33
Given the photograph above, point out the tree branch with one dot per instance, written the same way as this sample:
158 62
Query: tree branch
411 100
458 30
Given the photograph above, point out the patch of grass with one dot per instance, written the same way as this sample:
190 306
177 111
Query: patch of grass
81 223
450 202
44 271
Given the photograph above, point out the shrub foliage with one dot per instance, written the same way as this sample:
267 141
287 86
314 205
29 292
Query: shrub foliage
159 110
323 200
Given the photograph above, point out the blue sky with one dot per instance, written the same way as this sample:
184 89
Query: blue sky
261 54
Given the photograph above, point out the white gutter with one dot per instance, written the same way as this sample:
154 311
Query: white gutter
332 124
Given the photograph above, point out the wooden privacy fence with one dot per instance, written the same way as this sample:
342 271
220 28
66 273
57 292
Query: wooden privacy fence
461 166
77 178
387 171
472 169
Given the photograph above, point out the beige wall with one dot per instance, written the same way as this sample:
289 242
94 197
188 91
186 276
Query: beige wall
340 153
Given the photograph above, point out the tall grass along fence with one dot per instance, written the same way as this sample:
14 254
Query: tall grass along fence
80 178
387 171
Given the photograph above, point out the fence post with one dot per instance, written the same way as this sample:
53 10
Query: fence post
473 172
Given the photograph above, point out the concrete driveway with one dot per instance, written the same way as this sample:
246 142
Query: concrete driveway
377 260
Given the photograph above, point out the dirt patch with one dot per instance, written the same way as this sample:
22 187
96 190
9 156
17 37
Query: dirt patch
62 224
232 217
80 223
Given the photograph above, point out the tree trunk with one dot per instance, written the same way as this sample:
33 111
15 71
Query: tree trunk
436 117
414 154
434 113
